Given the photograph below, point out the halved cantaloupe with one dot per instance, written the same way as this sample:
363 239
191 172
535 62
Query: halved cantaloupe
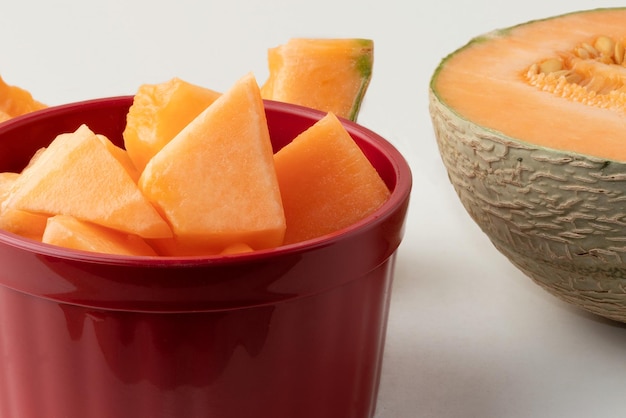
16 101
77 175
215 181
158 113
331 75
326 181
69 232
529 121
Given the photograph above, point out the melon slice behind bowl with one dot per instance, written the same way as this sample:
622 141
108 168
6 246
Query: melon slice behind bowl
331 75
16 101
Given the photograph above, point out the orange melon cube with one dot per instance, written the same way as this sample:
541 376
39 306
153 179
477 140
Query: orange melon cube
26 224
69 232
326 181
158 113
76 175
215 182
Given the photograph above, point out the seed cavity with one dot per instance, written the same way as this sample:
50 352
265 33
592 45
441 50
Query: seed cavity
592 73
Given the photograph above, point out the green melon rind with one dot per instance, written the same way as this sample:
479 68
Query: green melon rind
364 66
557 216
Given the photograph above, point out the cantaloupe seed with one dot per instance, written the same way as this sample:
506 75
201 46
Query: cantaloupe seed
67 231
215 181
326 181
591 73
76 175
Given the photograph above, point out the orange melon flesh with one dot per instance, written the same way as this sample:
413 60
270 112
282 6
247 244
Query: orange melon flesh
215 181
15 101
158 113
69 232
331 75
76 175
121 155
326 181
484 82
237 248
7 180
26 224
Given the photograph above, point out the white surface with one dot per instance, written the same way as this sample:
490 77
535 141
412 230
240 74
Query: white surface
468 335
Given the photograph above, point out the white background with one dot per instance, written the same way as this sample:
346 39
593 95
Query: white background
468 335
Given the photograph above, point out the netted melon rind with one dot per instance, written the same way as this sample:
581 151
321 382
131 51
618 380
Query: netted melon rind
559 217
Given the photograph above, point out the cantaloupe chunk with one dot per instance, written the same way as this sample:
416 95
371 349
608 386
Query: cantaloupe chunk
23 223
69 232
76 175
331 75
27 224
122 156
158 113
7 180
326 181
215 181
238 248
15 101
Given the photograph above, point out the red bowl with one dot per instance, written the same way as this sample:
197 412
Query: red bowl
296 331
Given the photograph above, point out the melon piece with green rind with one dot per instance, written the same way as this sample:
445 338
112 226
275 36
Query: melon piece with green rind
529 122
331 75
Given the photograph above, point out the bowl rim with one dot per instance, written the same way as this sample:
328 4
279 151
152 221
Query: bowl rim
399 196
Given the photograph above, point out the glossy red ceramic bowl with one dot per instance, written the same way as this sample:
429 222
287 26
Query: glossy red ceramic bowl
293 332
